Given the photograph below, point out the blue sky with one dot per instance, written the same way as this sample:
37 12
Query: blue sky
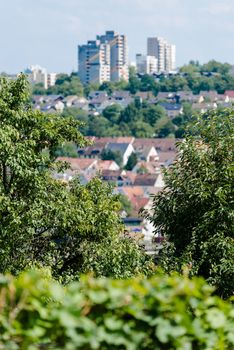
47 32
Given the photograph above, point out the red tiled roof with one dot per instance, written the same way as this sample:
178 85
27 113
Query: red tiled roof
229 93
78 163
121 139
133 191
105 164
164 144
145 179
150 167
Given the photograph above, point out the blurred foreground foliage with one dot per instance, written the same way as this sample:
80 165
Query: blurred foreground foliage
163 312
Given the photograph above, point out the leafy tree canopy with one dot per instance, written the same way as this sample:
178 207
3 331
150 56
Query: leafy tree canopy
47 222
196 209
132 161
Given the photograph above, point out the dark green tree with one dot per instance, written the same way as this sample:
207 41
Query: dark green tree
166 130
112 113
126 205
141 129
132 161
129 114
67 85
196 210
153 113
216 67
98 126
108 154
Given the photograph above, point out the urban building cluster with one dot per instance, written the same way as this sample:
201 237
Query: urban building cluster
160 58
107 59
171 102
39 75
137 185
104 59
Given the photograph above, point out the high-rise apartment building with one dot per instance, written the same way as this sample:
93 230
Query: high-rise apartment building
146 64
164 52
105 59
118 54
39 75
94 62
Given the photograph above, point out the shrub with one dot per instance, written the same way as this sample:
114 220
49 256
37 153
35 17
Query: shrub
164 312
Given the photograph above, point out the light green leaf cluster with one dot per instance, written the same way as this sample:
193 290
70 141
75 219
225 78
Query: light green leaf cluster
163 312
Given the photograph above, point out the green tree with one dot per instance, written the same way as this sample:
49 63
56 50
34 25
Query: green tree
108 154
98 126
141 129
47 222
92 224
190 68
67 85
132 161
166 130
79 114
38 89
134 84
29 141
129 114
153 113
112 113
195 211
148 83
69 149
217 67
126 205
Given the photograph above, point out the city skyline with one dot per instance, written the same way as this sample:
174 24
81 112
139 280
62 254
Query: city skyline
48 32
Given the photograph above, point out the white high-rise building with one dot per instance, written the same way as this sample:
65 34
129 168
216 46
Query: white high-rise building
163 51
36 75
146 64
104 59
119 66
51 79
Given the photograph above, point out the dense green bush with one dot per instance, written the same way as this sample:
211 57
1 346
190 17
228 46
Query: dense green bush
164 312
195 211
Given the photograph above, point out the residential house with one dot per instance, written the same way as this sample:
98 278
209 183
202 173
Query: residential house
143 167
107 165
204 106
172 109
121 95
185 96
79 166
160 144
116 177
166 158
230 94
95 95
149 180
120 139
146 153
93 151
144 95
208 96
125 150
166 96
